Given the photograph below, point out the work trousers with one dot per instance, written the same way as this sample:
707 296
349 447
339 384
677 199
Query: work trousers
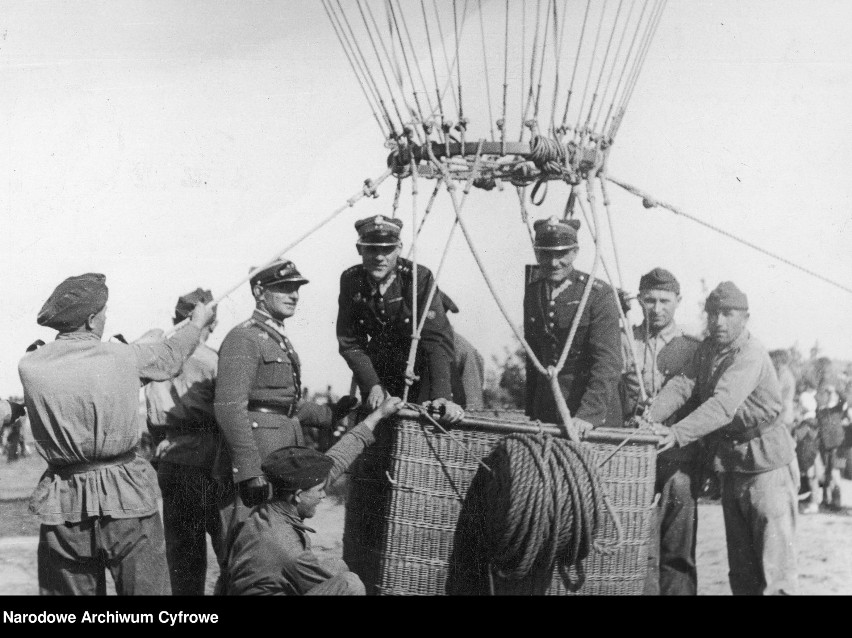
674 529
760 523
190 512
72 558
343 584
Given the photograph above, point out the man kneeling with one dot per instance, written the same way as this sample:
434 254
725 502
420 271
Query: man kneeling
271 552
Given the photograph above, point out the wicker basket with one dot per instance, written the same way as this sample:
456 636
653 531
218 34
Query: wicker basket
408 491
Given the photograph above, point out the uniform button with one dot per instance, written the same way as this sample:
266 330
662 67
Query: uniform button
550 314
235 470
552 302
279 359
406 320
254 425
361 321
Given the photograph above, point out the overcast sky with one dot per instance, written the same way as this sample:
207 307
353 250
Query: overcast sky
171 144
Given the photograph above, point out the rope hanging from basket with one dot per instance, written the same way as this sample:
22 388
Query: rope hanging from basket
542 505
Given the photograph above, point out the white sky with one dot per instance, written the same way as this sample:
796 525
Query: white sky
171 144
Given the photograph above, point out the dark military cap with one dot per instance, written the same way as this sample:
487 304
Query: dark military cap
449 304
378 231
186 304
73 301
280 271
296 467
556 234
659 279
726 296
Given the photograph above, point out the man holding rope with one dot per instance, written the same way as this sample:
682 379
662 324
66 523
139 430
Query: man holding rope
589 378
739 396
664 352
375 318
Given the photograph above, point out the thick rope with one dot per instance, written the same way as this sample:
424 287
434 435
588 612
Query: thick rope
542 507
649 201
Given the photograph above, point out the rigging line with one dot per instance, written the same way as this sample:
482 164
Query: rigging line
414 189
385 133
444 49
426 211
607 203
645 53
381 64
626 65
355 40
523 59
640 60
505 83
434 68
485 65
533 58
650 202
589 76
612 69
365 69
603 64
541 65
557 55
415 56
405 60
391 64
576 63
458 60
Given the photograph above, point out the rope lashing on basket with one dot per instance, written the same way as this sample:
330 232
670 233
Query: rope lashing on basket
425 413
543 507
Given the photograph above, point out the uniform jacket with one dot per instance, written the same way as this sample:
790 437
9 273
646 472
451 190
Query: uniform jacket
737 389
468 372
589 379
182 409
82 397
256 363
271 553
374 333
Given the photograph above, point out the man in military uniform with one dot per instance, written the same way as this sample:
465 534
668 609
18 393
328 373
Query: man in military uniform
182 423
739 396
258 392
589 378
662 352
468 371
374 322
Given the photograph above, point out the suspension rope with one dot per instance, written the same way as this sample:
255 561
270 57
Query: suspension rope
415 56
533 57
458 63
625 65
414 233
557 54
603 66
485 66
444 49
501 124
651 202
392 15
577 131
614 66
432 59
576 62
541 64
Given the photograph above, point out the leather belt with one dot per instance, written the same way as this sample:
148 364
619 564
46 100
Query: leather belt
65 471
272 408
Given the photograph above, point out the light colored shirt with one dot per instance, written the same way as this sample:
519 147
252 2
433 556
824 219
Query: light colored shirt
738 389
82 399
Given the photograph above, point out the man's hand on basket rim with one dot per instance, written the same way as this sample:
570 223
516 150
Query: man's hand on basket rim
448 411
667 440
582 426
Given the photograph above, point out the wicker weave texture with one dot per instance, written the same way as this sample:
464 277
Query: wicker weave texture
407 492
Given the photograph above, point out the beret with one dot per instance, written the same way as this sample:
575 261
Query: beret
726 296
555 234
659 279
186 303
296 467
73 301
378 230
277 272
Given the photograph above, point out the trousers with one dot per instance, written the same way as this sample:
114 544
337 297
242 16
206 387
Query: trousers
190 512
760 524
72 558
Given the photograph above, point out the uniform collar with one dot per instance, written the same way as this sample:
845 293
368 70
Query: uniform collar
736 344
288 511
572 276
267 319
381 286
77 336
665 335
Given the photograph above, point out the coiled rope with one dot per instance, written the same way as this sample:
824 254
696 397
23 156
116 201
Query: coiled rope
542 507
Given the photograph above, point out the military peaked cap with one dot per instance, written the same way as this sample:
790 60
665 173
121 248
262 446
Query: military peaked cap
726 296
378 231
73 301
296 467
280 271
556 234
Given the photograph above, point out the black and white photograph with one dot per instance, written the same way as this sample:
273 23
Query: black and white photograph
423 298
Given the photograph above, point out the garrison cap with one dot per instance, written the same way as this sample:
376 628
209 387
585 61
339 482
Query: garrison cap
659 279
73 301
296 467
449 304
556 234
378 231
726 296
278 272
186 303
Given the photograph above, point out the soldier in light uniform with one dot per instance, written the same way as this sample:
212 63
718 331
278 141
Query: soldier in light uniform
374 322
739 397
662 353
258 392
590 376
